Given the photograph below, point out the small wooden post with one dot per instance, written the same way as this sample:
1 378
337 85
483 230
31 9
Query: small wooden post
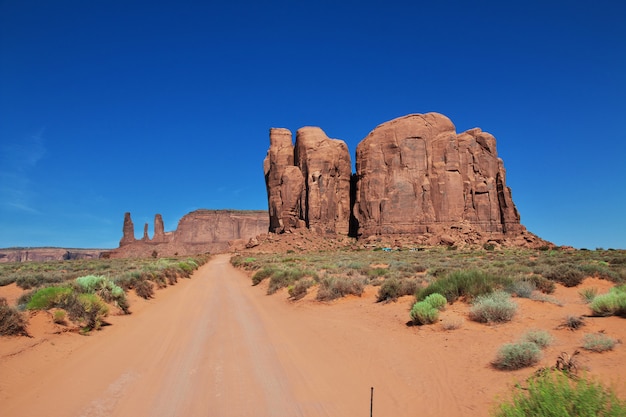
371 401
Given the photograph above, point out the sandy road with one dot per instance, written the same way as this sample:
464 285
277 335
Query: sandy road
202 350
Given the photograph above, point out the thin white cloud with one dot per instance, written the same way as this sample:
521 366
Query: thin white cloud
17 159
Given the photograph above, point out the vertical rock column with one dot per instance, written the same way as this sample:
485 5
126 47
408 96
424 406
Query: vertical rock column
326 168
284 183
128 231
159 229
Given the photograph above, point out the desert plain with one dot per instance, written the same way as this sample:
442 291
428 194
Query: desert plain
217 345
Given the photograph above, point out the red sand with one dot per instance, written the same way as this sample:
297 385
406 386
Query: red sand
215 345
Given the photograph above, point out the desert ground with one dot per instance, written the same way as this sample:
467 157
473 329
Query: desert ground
216 345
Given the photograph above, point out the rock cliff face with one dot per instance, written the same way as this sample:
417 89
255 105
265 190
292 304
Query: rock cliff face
308 184
200 231
415 176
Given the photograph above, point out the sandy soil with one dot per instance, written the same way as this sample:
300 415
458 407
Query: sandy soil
215 345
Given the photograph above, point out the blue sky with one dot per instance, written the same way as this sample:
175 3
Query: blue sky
165 106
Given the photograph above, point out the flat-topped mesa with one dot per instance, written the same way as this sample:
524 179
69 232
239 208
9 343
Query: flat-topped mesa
200 231
128 231
308 185
415 175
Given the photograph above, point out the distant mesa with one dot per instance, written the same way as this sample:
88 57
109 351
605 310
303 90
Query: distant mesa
415 177
47 254
201 231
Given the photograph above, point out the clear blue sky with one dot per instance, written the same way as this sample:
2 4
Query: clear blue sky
165 106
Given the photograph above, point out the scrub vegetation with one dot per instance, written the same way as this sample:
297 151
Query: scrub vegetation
461 274
85 290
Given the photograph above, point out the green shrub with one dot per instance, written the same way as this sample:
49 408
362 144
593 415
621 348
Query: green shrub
336 287
424 313
263 273
493 308
86 309
106 289
48 297
517 355
541 338
465 283
59 317
436 300
588 294
553 394
12 321
598 342
611 304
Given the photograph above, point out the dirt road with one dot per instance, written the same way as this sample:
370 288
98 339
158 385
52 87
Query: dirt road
216 346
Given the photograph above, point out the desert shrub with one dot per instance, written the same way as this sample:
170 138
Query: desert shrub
127 280
377 272
452 324
263 273
105 288
513 356
300 288
436 300
144 289
24 299
171 274
423 312
598 342
59 316
285 278
554 394
588 294
493 308
392 288
612 303
336 287
48 297
187 267
86 309
12 321
27 282
573 322
566 274
541 283
464 283
544 298
521 288
541 338
389 290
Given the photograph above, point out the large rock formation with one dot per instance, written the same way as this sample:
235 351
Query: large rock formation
308 185
200 231
415 176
